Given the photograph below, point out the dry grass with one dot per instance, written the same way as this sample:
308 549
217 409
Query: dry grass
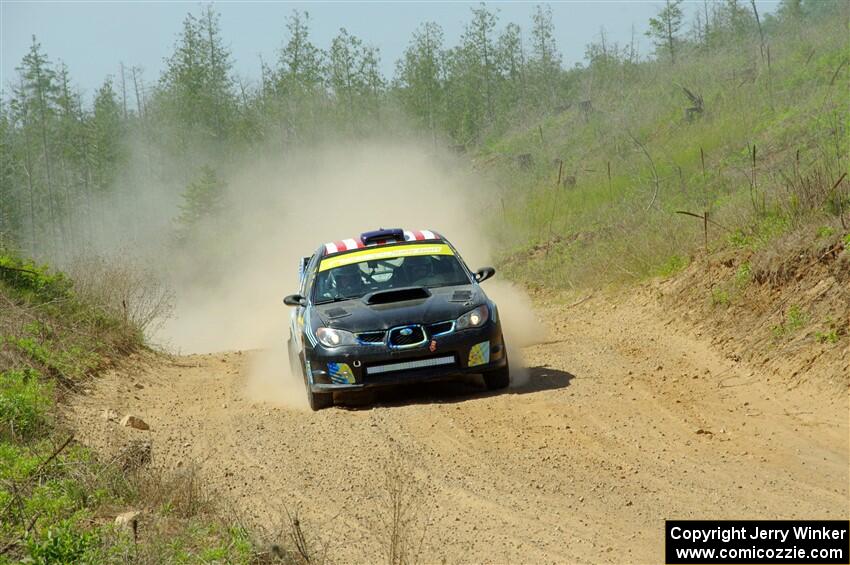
289 541
396 525
178 518
127 291
822 189
402 519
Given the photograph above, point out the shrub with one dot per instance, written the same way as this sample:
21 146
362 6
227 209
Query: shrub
719 297
672 265
124 291
825 231
24 402
64 544
830 336
31 281
795 319
59 330
743 275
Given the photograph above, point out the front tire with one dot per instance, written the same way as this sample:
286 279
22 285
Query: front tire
498 378
319 400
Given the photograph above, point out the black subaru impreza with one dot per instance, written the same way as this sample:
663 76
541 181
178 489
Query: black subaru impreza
391 307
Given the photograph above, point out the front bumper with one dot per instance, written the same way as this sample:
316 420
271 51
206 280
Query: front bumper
469 351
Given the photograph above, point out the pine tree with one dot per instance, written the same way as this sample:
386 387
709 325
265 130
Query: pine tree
478 42
106 136
37 96
293 91
471 71
300 69
510 59
23 150
604 54
790 9
197 89
419 76
218 81
345 72
737 18
545 60
203 200
372 79
10 213
664 29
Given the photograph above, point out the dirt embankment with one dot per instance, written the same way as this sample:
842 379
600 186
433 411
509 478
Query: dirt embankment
627 418
785 309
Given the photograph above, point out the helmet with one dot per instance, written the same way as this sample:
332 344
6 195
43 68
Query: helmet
417 269
348 280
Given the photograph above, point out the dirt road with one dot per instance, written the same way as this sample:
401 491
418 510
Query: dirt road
624 421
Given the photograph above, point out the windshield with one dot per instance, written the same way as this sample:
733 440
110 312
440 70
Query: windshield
382 271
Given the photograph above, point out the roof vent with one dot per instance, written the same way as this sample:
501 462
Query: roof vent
382 235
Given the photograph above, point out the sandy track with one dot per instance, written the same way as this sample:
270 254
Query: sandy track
624 421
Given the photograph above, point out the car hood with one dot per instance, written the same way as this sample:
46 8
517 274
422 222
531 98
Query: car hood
444 303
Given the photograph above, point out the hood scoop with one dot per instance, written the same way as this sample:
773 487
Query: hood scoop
397 295
337 313
461 296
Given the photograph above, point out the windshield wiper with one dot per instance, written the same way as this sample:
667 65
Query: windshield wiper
336 299
455 283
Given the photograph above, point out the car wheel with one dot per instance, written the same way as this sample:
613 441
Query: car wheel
319 400
498 378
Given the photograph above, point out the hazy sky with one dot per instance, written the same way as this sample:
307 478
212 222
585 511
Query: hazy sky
93 37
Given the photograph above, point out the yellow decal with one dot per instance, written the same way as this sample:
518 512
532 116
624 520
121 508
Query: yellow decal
385 252
479 354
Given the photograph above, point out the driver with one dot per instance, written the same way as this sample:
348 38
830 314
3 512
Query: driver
418 269
348 281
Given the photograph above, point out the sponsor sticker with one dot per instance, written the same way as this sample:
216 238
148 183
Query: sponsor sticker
385 252
341 373
479 354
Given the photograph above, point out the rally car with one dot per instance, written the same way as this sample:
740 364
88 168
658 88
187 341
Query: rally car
392 307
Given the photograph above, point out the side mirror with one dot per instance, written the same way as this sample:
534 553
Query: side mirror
295 300
484 273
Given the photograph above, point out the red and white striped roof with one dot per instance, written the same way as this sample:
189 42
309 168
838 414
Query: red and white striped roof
356 243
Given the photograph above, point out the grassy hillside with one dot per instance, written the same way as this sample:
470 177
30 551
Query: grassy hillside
763 158
58 499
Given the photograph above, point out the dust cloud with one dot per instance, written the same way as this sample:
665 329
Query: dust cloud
230 286
270 381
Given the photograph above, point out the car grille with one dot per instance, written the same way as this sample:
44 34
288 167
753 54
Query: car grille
406 336
371 337
440 328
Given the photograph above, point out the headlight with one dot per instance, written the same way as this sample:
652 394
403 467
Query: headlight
473 318
330 337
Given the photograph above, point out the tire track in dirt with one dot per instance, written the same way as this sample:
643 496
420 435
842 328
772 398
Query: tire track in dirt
624 421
